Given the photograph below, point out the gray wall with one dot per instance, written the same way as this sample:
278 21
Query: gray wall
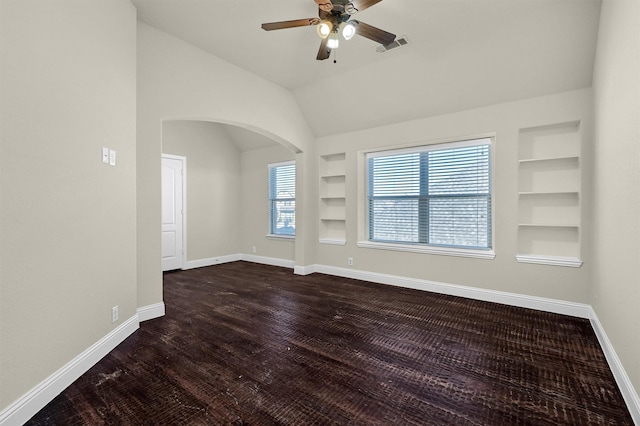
67 221
503 273
615 293
255 204
213 186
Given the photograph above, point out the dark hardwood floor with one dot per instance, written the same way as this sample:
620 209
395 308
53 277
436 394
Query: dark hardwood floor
243 343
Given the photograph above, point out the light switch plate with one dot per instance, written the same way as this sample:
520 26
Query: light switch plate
112 157
105 155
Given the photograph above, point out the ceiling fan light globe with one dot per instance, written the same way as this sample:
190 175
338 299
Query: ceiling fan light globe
333 41
348 30
324 29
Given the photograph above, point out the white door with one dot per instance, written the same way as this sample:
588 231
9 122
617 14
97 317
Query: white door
172 211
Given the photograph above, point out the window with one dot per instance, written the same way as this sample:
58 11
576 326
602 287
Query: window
282 199
437 195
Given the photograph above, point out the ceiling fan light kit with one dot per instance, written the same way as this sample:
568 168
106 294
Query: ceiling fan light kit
333 42
324 28
350 9
333 19
348 30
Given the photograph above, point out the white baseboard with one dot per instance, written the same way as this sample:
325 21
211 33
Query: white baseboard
201 263
273 261
629 393
150 312
34 400
304 270
532 302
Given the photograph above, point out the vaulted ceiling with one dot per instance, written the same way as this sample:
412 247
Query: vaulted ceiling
462 53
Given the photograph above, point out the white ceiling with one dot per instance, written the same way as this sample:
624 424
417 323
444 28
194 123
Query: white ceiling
462 53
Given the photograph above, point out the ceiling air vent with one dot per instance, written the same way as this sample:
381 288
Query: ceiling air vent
399 42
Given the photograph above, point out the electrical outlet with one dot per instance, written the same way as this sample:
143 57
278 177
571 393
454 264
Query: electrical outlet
254 249
350 261
114 314
112 157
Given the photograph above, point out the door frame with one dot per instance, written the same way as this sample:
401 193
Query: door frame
183 160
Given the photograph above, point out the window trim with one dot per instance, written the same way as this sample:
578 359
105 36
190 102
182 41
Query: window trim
363 205
280 237
270 234
429 249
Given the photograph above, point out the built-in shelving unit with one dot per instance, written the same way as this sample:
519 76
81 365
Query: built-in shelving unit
549 202
333 219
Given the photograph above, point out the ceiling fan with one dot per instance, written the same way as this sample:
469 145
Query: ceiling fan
334 17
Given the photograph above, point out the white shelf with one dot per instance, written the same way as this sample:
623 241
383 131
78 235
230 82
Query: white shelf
334 195
549 177
549 193
333 178
332 241
548 160
333 187
571 262
332 165
332 209
549 201
548 225
550 141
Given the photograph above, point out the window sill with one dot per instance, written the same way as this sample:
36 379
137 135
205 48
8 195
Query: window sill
443 251
281 237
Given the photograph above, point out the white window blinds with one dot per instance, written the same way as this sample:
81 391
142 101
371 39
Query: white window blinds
436 195
282 198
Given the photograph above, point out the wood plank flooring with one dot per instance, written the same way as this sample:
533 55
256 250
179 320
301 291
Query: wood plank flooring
243 343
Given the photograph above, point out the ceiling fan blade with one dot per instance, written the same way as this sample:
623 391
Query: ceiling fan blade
324 5
290 24
361 5
324 16
324 52
373 33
